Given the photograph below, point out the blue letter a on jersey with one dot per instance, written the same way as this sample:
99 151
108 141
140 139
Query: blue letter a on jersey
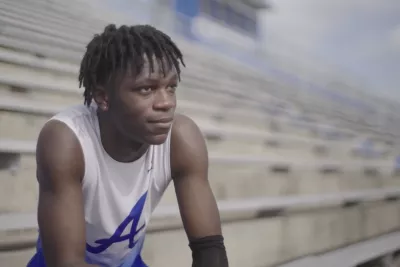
117 237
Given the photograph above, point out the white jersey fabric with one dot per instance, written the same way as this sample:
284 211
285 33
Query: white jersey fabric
119 198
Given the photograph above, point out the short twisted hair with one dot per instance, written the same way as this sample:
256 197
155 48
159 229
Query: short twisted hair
117 48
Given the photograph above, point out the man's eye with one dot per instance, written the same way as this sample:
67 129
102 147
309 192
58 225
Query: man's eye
145 90
172 88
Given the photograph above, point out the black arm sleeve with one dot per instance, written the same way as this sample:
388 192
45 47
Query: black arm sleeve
209 252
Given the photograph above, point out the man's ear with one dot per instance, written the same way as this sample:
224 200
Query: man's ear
101 98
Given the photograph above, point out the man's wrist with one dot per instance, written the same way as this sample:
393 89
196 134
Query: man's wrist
209 251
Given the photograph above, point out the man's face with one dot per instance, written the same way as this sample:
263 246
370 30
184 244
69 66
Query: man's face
143 105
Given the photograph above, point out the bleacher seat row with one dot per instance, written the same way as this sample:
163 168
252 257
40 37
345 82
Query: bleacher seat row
7 6
28 147
167 217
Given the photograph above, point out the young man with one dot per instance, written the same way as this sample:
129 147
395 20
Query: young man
103 167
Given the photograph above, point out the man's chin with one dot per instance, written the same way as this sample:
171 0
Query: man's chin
157 139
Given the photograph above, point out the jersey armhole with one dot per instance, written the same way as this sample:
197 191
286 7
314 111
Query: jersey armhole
167 161
72 127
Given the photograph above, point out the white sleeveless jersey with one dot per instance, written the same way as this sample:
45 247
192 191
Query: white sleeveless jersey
119 198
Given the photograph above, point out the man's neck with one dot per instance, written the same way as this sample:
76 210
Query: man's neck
118 146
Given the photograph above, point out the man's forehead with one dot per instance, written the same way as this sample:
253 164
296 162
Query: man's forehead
155 72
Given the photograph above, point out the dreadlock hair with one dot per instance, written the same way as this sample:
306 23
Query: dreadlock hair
116 49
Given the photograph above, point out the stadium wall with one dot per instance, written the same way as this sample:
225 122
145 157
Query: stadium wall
218 22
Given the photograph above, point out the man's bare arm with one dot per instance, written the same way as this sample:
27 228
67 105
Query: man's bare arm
60 169
199 211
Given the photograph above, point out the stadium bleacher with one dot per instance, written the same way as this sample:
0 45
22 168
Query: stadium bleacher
286 181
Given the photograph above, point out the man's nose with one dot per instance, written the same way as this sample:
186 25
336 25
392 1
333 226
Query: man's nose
164 100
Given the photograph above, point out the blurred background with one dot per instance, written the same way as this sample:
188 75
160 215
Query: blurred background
297 99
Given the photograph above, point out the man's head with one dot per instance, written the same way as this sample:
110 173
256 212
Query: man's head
132 73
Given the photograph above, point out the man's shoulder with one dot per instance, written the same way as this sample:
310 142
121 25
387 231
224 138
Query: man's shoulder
58 152
184 121
61 127
185 130
188 147
56 132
